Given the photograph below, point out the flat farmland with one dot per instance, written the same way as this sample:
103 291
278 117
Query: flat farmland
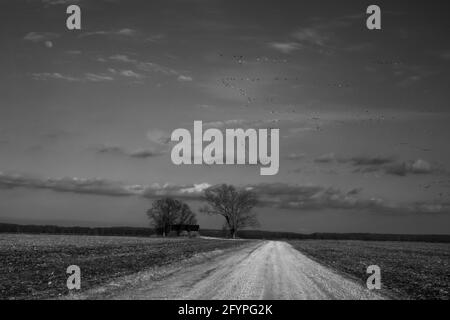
409 270
34 266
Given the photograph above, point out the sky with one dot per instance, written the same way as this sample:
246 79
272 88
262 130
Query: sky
86 115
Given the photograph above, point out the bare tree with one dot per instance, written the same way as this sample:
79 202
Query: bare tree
167 211
233 204
186 216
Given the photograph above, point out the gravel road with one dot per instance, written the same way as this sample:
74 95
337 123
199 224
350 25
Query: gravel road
262 270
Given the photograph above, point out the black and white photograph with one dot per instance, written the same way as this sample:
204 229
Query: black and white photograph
202 150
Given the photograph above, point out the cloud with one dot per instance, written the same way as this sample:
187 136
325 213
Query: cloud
390 166
286 196
311 36
53 75
73 185
187 192
120 151
184 78
285 47
87 77
145 66
158 136
410 167
326 158
38 37
125 32
275 195
298 197
122 58
386 164
320 36
144 153
130 74
101 187
92 77
369 161
126 73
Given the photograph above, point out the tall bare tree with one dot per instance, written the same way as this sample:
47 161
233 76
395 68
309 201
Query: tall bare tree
167 211
235 205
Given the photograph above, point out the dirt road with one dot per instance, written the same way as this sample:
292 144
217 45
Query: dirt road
263 270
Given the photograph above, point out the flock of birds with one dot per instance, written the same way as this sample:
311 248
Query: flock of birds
244 85
240 59
241 85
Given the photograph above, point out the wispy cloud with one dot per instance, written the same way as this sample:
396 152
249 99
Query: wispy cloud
42 37
275 195
120 151
73 185
87 77
158 136
392 167
299 197
53 75
326 158
285 47
311 35
125 32
410 167
127 73
101 187
322 36
146 66
386 164
184 78
92 77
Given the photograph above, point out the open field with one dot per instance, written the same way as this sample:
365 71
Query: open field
34 266
269 270
408 269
